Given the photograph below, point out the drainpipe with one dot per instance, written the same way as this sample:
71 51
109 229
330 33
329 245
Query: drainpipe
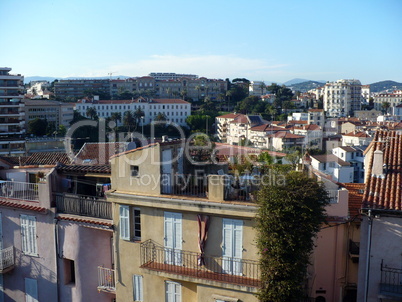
367 276
56 237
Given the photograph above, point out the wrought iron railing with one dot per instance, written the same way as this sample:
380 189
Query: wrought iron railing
7 258
223 269
391 280
20 190
183 184
106 279
83 205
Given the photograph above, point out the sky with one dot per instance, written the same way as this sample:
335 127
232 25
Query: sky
271 41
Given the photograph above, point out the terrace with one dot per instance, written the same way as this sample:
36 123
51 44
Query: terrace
391 282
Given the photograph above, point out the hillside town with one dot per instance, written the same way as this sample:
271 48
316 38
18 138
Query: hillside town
139 188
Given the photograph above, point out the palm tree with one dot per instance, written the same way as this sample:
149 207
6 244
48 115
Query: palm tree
138 114
91 113
385 106
160 117
198 88
128 120
169 91
115 116
183 94
175 93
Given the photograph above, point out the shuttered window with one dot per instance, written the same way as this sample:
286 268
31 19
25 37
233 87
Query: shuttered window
137 288
28 235
173 291
31 290
124 222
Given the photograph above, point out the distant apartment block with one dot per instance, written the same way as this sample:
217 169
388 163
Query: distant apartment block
257 88
79 87
174 110
393 99
171 76
11 112
342 98
55 112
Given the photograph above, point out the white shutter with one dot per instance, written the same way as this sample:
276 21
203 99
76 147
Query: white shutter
137 288
1 236
124 222
1 288
173 237
31 290
232 247
173 291
28 235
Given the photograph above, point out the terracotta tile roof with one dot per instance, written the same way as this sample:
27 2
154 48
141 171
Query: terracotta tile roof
355 197
310 127
316 110
266 127
14 160
242 119
89 220
326 158
31 206
98 153
385 191
357 134
229 115
347 148
298 122
48 158
84 169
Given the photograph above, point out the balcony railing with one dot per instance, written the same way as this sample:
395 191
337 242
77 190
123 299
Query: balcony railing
391 281
106 279
83 205
182 184
20 190
7 259
190 264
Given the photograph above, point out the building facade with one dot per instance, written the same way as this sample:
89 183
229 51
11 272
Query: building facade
78 88
342 98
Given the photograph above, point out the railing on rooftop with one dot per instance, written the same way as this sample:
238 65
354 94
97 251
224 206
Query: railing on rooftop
106 279
183 184
20 190
186 263
391 281
6 259
83 205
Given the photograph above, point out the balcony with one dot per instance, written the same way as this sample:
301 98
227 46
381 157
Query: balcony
194 265
7 260
20 190
83 205
391 282
182 184
106 280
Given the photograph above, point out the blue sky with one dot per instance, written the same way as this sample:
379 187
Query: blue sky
258 40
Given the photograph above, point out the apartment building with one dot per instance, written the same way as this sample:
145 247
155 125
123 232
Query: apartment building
316 116
12 123
174 110
393 99
172 76
257 88
59 113
342 98
177 242
79 88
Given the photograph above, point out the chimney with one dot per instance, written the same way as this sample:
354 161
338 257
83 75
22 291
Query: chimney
378 164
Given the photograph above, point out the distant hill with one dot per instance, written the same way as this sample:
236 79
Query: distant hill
50 79
385 85
305 86
295 81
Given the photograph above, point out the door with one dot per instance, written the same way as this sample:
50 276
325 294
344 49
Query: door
173 238
232 246
167 171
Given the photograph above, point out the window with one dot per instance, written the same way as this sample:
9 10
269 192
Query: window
137 223
173 291
124 222
31 290
137 288
69 271
134 171
28 235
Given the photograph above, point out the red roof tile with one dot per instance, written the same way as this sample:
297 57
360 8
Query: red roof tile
5 202
355 197
98 153
385 191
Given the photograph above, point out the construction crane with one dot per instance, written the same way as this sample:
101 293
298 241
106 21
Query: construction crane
111 73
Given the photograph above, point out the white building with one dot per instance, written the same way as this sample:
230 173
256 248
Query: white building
355 157
174 110
316 116
359 138
257 88
340 170
342 98
393 99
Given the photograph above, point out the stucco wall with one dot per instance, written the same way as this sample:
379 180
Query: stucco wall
88 248
42 268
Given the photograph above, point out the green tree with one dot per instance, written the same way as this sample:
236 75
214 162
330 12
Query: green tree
91 113
138 114
116 117
289 217
128 120
199 122
385 106
160 117
62 130
37 127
